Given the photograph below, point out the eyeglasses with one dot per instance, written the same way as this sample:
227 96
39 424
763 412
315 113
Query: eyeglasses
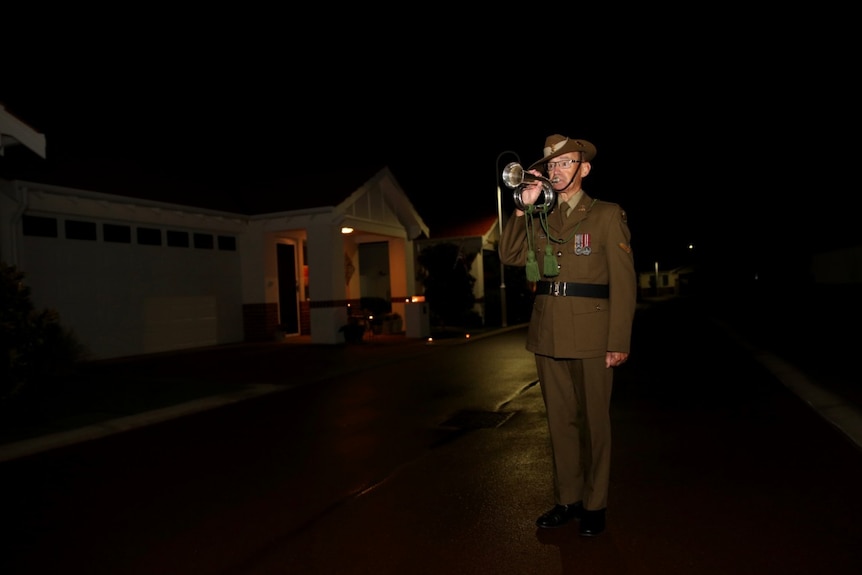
562 164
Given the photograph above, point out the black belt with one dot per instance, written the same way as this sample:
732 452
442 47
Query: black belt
572 289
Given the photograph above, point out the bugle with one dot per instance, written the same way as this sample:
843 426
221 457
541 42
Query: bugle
514 176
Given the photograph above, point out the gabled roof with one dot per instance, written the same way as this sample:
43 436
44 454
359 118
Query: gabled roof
481 227
144 179
147 177
379 205
303 190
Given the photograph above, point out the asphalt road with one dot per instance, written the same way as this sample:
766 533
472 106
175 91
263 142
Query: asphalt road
431 459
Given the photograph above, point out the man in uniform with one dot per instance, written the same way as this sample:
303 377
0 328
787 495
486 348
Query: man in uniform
577 250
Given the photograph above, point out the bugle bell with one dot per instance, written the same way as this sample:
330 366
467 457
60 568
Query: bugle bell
514 176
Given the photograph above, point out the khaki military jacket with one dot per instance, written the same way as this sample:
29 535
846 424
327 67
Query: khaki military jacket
592 246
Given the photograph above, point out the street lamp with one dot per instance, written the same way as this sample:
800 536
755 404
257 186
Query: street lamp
500 235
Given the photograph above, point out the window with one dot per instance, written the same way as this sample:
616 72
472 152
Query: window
77 230
177 239
117 233
39 226
149 236
203 241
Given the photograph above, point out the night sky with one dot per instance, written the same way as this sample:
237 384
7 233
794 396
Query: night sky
734 140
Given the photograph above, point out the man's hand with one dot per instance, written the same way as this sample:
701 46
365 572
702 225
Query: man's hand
530 191
615 358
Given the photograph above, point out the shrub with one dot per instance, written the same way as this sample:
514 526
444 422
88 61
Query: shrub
34 347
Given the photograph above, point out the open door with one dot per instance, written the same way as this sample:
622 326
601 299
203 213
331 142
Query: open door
288 289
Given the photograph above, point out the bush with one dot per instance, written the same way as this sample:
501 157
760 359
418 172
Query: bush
34 347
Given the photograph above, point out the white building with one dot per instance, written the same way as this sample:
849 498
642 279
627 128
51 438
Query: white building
132 276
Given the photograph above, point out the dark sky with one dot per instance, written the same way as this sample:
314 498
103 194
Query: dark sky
729 139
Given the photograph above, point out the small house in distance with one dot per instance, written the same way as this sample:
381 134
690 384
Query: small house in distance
477 240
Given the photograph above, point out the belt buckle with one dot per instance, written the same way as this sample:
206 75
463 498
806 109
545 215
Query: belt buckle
555 287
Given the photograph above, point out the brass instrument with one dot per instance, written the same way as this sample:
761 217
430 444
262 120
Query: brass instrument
514 176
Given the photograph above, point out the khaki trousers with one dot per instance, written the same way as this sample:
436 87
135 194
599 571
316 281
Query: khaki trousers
577 394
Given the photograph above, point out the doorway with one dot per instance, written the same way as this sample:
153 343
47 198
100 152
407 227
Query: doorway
374 280
288 289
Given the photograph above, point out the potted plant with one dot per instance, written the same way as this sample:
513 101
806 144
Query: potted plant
353 332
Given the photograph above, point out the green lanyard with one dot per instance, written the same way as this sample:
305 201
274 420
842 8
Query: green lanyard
552 267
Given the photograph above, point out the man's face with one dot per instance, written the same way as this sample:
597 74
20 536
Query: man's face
564 166
567 170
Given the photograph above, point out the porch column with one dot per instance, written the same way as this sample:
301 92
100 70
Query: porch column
327 282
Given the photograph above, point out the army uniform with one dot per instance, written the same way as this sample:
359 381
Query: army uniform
584 307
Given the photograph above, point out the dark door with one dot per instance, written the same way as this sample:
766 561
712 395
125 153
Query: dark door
288 289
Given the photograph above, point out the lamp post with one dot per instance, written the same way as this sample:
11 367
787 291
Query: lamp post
500 235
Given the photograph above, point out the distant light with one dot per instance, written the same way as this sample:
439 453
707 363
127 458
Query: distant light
467 336
346 230
417 298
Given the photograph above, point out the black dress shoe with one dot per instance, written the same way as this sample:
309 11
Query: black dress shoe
592 523
560 515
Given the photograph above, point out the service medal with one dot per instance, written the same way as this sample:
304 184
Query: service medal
582 244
